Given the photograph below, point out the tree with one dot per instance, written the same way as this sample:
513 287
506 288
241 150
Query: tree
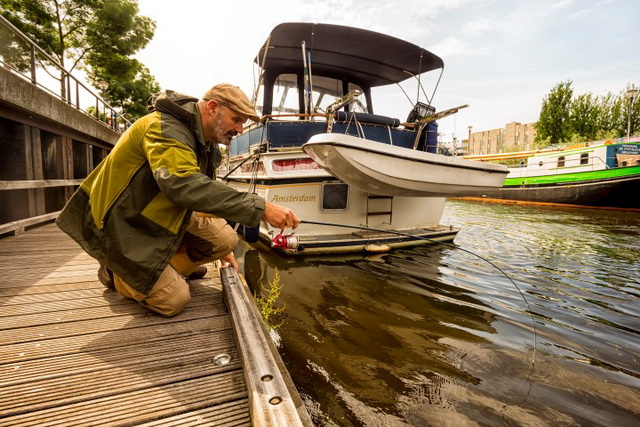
99 36
555 114
630 113
584 117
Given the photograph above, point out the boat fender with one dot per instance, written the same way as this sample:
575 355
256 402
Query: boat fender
377 248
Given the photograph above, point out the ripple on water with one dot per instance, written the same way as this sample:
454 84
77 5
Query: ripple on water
437 336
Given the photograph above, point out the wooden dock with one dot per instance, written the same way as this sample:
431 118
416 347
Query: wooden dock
75 353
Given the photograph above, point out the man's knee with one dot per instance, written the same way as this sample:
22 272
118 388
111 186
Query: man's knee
168 297
171 306
208 238
227 243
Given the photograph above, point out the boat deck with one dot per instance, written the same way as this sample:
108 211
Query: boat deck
75 353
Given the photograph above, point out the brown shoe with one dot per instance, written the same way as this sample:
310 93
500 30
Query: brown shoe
106 277
198 273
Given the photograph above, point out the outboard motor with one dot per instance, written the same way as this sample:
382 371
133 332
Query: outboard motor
430 133
419 111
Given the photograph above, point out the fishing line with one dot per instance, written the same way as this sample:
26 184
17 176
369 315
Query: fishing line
533 323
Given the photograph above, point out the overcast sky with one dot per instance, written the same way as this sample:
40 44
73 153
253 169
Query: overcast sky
501 56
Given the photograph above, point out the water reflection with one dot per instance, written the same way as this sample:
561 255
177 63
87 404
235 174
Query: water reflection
437 336
362 341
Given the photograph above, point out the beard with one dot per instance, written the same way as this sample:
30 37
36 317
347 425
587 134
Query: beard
220 136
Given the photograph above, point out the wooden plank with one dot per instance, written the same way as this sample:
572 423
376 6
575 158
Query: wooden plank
103 311
38 171
149 404
38 183
121 354
9 291
113 379
74 353
56 346
23 223
15 295
96 325
229 414
20 304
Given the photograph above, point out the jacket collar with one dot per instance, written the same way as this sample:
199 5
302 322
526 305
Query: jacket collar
184 108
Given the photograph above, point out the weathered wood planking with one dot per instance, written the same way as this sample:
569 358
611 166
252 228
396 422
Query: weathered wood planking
75 353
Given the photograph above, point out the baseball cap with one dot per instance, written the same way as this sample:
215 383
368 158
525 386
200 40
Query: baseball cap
231 96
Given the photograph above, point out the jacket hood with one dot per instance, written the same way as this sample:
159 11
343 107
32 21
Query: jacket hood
181 106
177 104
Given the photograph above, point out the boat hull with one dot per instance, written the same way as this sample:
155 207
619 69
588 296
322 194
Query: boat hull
606 192
418 217
387 170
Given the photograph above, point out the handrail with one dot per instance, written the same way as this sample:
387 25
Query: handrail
111 120
272 116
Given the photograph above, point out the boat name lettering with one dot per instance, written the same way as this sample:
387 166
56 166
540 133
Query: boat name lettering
288 199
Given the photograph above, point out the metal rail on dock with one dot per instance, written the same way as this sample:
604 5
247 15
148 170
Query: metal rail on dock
270 402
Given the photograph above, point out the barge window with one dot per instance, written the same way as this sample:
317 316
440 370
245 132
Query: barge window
584 158
335 196
561 161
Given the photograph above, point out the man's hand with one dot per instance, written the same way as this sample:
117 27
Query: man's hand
229 259
279 216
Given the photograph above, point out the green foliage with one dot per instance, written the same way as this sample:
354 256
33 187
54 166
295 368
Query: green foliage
554 114
266 304
583 117
586 117
100 36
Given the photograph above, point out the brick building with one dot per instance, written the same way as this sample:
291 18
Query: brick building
513 137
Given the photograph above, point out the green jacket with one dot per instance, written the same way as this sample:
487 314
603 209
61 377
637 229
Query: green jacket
131 212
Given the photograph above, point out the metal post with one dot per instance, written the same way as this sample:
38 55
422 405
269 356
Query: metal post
33 64
631 93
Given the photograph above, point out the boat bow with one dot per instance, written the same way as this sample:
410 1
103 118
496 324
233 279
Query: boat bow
383 169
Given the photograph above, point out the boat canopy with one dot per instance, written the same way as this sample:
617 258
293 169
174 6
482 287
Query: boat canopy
360 56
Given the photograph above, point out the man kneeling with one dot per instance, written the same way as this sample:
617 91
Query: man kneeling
152 212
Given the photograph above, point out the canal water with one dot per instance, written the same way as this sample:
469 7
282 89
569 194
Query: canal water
437 336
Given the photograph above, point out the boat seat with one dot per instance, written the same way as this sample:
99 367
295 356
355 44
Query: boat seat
345 116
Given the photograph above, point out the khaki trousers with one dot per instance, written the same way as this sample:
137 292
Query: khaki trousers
207 238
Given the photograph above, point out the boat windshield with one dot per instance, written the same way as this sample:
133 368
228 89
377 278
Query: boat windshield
324 91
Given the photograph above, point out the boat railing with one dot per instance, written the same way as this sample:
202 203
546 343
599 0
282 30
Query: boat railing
359 120
595 163
282 132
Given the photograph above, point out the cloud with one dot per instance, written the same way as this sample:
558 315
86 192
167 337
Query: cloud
501 57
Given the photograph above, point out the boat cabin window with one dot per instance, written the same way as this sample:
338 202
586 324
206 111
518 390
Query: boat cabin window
335 196
584 158
285 95
561 161
324 91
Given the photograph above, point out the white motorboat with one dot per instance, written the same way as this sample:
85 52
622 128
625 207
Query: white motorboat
379 168
315 84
